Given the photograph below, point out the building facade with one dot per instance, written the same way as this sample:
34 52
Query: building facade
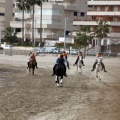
109 11
6 14
57 19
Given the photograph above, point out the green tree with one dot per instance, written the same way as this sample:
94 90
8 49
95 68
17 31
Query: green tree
10 35
101 31
82 38
23 6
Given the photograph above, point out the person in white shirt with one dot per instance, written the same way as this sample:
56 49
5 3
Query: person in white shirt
99 56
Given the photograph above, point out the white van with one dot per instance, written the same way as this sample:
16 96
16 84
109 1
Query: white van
49 50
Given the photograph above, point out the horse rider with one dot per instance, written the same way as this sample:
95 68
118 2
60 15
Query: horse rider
99 56
78 57
61 60
32 58
65 57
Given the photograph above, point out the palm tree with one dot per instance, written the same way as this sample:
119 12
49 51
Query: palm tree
32 3
10 37
23 5
83 37
101 31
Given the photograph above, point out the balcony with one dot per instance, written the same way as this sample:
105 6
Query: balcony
103 13
103 2
16 24
68 6
52 26
114 35
93 23
20 15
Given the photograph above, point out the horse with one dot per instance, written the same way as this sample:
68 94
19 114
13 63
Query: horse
31 66
98 70
79 65
59 72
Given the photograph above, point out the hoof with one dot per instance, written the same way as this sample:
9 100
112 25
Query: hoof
61 85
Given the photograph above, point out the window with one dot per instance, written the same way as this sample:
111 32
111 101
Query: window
90 6
75 13
82 14
2 14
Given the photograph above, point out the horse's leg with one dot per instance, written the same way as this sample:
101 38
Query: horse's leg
29 71
99 76
61 81
80 69
33 69
57 81
96 74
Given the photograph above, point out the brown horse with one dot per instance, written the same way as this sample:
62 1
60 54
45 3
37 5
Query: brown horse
31 66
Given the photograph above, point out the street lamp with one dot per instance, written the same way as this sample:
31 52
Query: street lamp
0 28
65 35
35 30
52 36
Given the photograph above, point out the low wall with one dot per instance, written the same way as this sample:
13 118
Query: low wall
15 52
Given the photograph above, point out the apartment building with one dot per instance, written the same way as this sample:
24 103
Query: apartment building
108 10
57 19
6 14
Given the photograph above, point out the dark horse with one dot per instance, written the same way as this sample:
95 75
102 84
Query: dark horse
59 71
31 66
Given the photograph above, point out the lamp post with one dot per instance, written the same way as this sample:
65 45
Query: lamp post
41 24
65 35
35 30
52 36
0 28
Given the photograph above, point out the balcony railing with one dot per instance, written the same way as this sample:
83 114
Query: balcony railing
91 22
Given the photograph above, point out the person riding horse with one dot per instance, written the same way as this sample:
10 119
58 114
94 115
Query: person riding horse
78 56
32 58
61 60
65 57
99 56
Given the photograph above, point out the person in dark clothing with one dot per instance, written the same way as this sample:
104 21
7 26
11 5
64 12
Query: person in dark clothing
66 59
80 54
61 60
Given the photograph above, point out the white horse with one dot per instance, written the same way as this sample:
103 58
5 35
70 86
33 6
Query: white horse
98 70
79 65
59 81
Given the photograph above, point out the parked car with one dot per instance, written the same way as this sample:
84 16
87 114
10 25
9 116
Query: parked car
56 50
73 51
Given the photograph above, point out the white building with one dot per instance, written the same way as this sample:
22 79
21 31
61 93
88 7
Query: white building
57 18
108 10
